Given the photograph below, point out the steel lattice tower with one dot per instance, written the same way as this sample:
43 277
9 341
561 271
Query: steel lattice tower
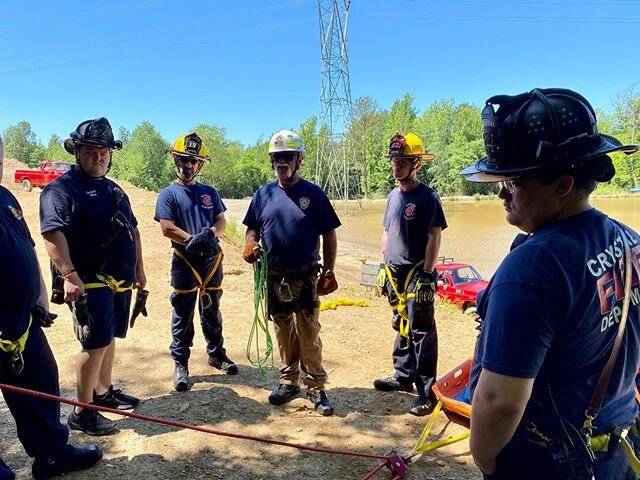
332 165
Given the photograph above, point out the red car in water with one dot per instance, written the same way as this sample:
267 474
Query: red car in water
459 283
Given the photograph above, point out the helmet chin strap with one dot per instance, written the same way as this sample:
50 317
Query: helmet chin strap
414 167
295 169
178 172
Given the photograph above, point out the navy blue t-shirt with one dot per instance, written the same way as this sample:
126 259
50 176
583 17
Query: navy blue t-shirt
551 311
290 222
19 275
83 209
191 208
408 218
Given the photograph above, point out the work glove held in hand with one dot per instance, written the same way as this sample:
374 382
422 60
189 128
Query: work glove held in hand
251 251
42 317
425 286
382 280
204 243
82 321
140 306
327 283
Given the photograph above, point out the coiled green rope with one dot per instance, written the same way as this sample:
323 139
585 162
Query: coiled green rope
260 318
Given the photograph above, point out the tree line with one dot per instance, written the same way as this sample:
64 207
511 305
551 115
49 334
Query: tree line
450 130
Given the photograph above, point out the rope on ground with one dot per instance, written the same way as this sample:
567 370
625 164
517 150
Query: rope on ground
342 302
171 423
260 318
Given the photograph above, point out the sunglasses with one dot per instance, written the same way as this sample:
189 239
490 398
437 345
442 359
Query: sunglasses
284 156
512 184
191 160
403 161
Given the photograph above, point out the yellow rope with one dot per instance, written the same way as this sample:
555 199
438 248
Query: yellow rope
342 302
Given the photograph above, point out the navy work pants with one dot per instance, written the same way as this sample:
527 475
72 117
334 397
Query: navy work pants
182 328
415 359
37 420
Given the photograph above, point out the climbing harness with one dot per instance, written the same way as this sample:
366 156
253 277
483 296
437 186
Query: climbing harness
261 316
15 349
401 307
202 288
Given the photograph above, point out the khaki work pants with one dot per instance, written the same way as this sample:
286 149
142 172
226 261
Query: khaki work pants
299 344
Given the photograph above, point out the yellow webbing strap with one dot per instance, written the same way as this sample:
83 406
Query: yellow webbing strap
15 347
117 286
202 285
401 308
422 446
600 443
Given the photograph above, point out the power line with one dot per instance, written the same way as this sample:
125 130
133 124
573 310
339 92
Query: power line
190 26
118 56
493 18
552 3
90 16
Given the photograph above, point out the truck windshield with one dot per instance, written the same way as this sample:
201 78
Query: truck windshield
465 275
62 167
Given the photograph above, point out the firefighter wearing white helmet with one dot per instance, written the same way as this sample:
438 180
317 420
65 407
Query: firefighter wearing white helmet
413 224
286 150
289 216
191 215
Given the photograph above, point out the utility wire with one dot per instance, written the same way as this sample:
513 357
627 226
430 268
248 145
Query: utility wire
621 3
89 16
84 45
118 56
493 18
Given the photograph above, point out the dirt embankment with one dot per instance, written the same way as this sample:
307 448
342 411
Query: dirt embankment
357 345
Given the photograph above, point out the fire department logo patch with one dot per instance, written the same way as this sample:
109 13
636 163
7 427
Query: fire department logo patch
207 203
16 213
409 211
304 202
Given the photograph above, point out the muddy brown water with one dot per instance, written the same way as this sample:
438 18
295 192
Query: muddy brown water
477 232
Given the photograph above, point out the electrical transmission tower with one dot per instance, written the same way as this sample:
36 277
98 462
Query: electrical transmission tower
332 166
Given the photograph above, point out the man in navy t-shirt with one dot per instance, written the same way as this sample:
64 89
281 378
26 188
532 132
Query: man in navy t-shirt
413 223
26 360
289 216
92 238
191 215
551 313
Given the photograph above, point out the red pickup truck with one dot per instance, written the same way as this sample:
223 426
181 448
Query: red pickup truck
459 283
46 172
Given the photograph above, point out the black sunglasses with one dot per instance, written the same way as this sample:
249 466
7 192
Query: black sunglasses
284 156
190 160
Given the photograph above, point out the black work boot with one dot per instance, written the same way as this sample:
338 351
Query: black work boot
224 364
421 406
283 394
91 422
72 459
181 378
114 398
391 384
321 402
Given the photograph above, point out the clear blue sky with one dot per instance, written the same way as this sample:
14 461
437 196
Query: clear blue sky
253 66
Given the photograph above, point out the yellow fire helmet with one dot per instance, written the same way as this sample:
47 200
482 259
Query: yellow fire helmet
408 145
190 145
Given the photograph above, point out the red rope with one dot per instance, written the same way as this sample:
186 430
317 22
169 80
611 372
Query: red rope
374 471
47 396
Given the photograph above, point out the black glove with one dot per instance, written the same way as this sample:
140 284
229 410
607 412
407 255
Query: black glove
139 307
42 317
425 286
204 243
82 321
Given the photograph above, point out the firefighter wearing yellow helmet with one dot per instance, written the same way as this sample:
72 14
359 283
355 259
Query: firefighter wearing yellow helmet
413 224
191 215
189 154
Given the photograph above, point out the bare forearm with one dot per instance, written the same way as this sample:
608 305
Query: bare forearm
329 249
58 250
252 235
498 405
433 249
219 225
171 231
383 245
43 299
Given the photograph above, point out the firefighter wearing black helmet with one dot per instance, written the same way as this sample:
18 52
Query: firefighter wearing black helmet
554 307
91 236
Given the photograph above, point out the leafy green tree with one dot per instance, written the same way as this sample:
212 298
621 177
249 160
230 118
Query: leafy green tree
308 130
55 151
143 160
20 142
